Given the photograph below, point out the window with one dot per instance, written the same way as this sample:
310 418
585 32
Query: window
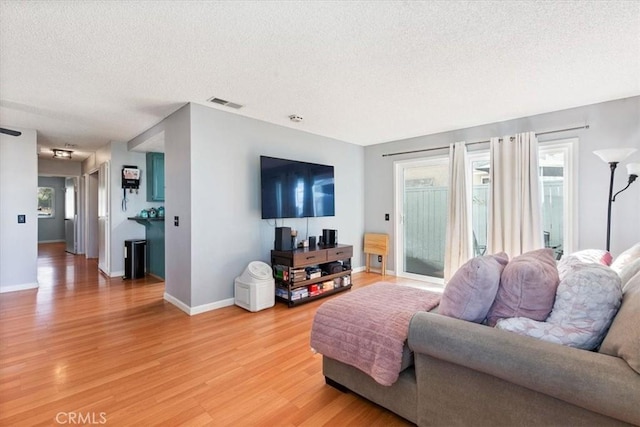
46 202
556 169
479 163
421 200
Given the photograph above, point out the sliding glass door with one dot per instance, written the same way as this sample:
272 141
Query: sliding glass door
421 202
421 193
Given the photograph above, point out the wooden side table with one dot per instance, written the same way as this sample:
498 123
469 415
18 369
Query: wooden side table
376 244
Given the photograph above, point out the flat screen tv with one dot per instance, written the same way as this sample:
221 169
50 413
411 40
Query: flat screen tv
293 189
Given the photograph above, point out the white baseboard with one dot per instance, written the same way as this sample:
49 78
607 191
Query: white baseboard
175 301
363 268
192 311
117 273
51 241
21 287
212 306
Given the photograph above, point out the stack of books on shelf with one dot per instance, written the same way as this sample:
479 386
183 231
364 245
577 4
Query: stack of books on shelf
282 292
313 272
298 275
281 272
299 293
328 285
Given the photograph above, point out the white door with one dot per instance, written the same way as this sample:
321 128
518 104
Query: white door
91 228
104 246
421 192
71 215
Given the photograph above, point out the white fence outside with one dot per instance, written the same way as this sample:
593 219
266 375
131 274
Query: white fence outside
425 223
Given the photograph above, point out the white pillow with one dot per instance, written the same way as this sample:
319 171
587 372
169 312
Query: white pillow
628 272
626 257
586 302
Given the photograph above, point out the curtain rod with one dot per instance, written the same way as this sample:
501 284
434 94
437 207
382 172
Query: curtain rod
479 142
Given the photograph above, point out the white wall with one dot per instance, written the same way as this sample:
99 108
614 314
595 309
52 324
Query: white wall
121 227
58 167
118 155
612 124
93 162
18 190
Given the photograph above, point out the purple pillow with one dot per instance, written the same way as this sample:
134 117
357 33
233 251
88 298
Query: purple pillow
527 287
472 289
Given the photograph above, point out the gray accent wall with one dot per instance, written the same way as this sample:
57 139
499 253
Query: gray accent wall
227 229
611 125
52 229
177 169
212 178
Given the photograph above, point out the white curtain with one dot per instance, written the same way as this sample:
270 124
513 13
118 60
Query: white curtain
515 212
458 247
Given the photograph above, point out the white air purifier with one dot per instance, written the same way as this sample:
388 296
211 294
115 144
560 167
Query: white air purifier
255 287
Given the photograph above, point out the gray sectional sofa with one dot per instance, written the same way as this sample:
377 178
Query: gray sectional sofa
469 374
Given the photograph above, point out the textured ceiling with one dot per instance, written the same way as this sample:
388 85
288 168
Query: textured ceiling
90 72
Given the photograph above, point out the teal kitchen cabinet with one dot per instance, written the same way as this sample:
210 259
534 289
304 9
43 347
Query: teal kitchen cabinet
155 248
155 177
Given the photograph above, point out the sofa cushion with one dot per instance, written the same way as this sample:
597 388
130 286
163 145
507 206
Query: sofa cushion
587 300
623 339
527 287
626 257
472 289
628 272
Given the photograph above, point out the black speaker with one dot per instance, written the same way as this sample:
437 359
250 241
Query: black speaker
329 237
283 239
312 241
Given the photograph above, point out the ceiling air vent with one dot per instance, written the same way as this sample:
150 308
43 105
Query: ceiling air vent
225 103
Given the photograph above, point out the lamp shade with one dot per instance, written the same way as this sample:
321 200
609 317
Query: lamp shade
614 155
633 169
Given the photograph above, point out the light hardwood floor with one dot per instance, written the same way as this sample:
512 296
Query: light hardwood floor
100 349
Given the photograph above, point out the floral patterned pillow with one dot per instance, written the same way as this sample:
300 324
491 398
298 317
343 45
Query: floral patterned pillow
587 300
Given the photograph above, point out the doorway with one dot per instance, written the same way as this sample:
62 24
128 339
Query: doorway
421 194
92 239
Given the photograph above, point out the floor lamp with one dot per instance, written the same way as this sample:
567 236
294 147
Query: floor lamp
614 156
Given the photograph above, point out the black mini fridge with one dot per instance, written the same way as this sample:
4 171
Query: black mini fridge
134 258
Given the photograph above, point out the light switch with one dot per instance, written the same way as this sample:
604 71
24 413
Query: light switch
22 219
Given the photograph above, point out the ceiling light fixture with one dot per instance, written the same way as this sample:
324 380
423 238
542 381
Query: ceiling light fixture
61 154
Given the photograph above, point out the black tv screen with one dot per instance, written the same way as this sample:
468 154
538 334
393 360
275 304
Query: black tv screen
293 189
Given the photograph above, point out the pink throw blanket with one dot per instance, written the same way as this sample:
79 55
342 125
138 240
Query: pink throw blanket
367 328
